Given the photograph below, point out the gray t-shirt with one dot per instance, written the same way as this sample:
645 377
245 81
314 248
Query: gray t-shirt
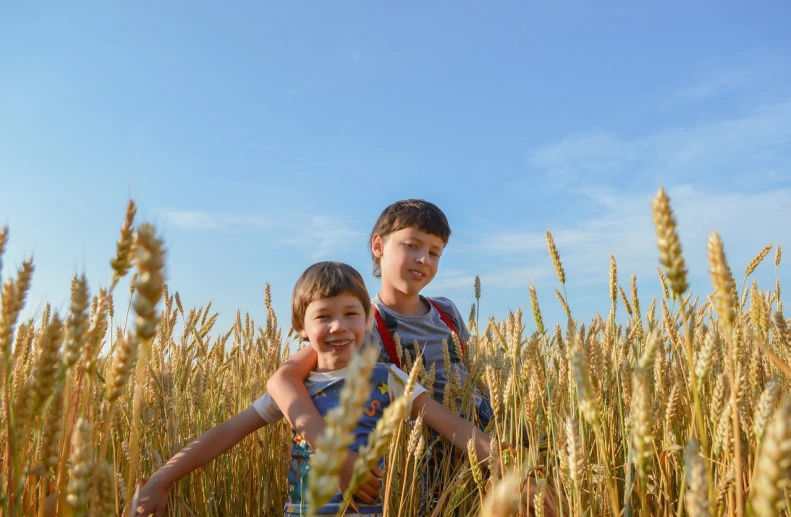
428 330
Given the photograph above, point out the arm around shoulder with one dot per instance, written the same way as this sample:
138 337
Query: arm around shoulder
287 388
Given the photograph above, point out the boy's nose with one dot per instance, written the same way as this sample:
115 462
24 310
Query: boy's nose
335 326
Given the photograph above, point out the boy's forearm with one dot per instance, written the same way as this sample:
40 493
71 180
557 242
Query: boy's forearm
208 446
287 388
451 426
303 415
465 432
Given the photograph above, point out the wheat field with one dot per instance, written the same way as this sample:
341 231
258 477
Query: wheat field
678 406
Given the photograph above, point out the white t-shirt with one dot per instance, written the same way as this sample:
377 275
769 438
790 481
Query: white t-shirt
266 407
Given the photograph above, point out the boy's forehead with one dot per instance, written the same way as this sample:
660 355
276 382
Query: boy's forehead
344 298
417 233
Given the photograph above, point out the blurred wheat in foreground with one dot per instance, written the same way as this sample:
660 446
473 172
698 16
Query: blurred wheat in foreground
679 408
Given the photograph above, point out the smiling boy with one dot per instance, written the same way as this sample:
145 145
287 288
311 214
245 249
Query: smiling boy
406 245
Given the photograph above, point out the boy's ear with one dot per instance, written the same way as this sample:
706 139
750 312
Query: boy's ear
377 244
303 334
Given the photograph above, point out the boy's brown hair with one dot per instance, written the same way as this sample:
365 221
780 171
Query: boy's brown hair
409 213
326 280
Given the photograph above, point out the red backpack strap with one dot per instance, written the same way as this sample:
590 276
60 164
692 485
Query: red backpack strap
387 338
447 321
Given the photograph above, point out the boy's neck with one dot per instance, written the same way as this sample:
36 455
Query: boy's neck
402 303
327 367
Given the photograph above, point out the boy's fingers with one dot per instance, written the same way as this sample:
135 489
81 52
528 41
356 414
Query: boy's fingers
374 480
376 472
364 495
373 484
368 491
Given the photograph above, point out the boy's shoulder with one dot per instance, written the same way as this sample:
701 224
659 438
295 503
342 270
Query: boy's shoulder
449 308
444 303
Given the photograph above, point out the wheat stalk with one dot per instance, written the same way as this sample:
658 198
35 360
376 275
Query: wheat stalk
122 261
327 459
773 465
696 499
669 244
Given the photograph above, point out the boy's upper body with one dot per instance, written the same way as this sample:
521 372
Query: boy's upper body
335 321
406 245
426 331
387 384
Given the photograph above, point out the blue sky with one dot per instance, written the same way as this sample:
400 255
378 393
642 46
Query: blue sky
262 138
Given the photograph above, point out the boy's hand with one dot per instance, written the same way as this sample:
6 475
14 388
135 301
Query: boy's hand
152 499
368 492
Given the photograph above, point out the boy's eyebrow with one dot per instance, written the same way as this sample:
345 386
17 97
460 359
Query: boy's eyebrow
421 241
416 238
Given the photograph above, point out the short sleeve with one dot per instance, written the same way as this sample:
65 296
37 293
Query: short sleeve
396 382
267 409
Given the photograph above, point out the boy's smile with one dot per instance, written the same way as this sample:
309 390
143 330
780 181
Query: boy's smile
338 343
336 329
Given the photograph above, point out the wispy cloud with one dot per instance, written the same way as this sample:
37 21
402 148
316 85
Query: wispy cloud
318 236
749 71
732 148
201 220
595 153
624 228
720 81
727 174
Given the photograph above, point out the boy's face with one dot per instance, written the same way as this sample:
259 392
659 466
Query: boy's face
408 258
336 329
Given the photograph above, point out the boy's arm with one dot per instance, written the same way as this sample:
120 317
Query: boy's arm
287 388
202 450
451 426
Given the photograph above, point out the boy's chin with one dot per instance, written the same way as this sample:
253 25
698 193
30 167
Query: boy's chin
412 287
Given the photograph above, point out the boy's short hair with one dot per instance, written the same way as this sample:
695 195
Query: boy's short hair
409 213
326 280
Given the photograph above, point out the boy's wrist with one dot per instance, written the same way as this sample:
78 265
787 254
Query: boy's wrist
161 479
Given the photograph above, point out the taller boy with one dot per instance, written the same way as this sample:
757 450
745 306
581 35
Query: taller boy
406 245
